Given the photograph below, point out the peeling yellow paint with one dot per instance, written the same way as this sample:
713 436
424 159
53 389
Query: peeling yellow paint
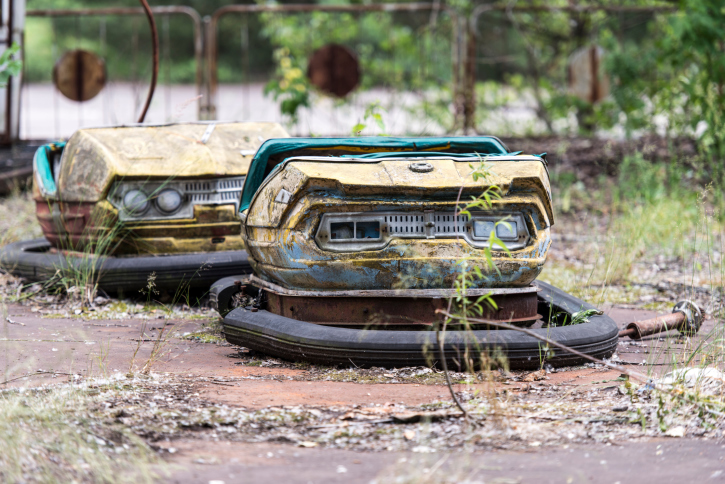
280 237
161 152
94 159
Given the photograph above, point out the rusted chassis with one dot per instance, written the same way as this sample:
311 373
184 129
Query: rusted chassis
391 309
294 339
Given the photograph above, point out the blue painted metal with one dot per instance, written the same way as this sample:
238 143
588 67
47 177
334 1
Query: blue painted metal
260 167
42 169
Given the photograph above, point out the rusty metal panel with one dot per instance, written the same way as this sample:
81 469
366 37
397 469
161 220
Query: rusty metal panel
402 309
95 160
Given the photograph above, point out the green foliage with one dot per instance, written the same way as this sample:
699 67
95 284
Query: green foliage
371 114
9 65
402 52
290 86
680 74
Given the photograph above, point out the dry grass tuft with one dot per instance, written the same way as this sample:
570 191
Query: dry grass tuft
53 435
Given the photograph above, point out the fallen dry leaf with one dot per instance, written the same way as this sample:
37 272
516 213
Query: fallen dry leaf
535 376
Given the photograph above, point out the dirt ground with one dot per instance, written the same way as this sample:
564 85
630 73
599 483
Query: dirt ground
44 350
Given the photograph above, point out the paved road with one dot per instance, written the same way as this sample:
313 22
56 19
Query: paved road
30 343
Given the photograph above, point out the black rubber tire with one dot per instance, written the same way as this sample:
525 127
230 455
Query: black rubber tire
221 293
32 260
301 341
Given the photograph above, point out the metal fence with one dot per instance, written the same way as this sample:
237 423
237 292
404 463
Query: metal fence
404 84
46 113
389 68
426 84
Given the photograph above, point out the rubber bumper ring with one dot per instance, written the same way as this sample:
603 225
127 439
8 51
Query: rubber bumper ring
32 260
302 341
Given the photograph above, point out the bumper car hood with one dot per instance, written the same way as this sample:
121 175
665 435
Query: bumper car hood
93 158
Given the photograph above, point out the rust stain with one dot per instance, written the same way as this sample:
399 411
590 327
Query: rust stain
280 237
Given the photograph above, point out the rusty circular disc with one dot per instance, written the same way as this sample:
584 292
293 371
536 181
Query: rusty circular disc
334 69
79 75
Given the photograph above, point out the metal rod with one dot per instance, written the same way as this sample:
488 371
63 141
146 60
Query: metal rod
155 59
71 12
187 11
639 329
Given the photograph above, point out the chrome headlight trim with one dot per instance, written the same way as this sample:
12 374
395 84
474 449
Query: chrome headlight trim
221 191
351 232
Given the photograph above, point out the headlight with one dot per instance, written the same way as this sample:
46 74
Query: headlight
172 198
349 232
169 200
135 202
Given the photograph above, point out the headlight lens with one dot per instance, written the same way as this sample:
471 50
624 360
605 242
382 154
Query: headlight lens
169 200
135 202
483 228
507 230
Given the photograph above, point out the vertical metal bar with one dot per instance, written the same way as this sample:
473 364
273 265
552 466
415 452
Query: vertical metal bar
594 69
167 67
54 53
357 97
79 71
24 91
456 54
198 58
7 135
394 65
469 93
134 66
246 111
208 111
102 37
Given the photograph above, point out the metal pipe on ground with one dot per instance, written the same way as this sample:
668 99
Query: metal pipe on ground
686 317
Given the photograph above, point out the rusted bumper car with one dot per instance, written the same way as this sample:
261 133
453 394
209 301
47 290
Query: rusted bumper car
356 245
124 203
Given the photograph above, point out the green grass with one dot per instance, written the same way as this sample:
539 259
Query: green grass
649 213
210 332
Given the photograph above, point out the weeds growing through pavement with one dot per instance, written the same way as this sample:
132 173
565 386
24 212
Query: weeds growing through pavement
159 347
674 221
471 276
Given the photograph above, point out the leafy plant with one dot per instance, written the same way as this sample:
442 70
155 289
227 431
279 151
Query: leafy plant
394 52
9 65
679 75
290 86
371 113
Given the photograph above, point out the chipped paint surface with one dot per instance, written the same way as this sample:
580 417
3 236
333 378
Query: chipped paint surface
280 236
94 159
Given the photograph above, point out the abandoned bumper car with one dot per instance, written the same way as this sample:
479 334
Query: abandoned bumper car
128 202
357 245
